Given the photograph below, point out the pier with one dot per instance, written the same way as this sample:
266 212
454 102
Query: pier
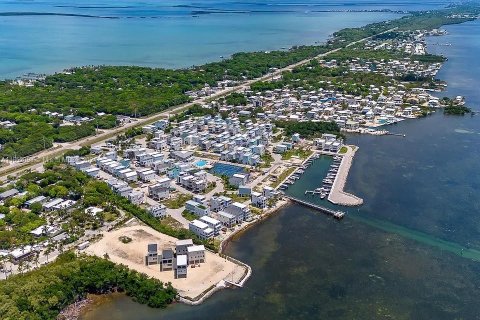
334 213
395 134
337 194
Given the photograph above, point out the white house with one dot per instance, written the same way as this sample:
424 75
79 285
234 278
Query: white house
159 211
219 203
201 229
158 191
181 246
136 197
196 208
238 179
239 210
212 223
181 266
226 219
146 175
196 254
258 200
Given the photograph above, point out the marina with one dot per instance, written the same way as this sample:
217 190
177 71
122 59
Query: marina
333 181
325 189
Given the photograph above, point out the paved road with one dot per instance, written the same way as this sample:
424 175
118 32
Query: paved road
107 134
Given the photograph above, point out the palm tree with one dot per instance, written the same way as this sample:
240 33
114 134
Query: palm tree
60 247
49 249
3 265
21 266
36 257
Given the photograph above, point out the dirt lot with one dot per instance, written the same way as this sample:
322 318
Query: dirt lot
132 254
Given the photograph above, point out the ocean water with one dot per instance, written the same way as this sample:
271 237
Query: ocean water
412 251
46 36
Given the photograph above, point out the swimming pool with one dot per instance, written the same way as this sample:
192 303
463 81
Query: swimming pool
201 163
223 169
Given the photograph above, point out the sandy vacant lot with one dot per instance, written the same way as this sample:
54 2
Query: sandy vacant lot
132 254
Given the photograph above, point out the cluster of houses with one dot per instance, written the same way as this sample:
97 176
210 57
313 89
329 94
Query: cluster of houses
394 67
178 260
221 211
7 124
52 231
226 137
329 143
207 90
384 105
409 42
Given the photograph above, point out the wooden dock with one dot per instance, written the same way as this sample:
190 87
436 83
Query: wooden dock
334 213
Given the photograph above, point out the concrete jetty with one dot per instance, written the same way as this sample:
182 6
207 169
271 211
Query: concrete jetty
334 213
337 194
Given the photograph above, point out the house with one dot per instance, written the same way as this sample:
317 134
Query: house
146 175
159 211
80 165
130 176
181 266
268 192
212 223
196 254
238 179
182 155
258 200
136 197
92 172
8 194
280 148
44 231
244 191
64 205
49 206
182 245
200 199
159 191
166 261
296 137
196 208
152 254
239 210
39 199
21 254
219 203
352 125
93 211
201 229
226 219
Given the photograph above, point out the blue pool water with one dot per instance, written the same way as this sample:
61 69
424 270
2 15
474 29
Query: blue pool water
226 169
201 163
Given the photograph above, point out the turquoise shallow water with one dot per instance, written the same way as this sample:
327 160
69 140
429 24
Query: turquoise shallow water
410 252
165 33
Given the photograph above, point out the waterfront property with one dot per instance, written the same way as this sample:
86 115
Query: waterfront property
132 254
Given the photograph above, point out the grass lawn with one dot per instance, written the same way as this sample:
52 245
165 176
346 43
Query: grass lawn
188 215
282 177
235 197
301 153
177 201
172 223
343 150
